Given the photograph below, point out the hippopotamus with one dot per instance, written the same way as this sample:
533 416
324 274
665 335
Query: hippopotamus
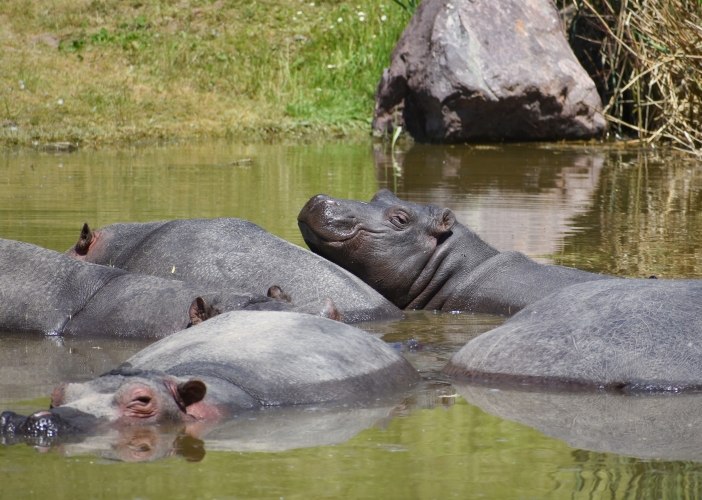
234 254
236 361
47 292
420 257
614 335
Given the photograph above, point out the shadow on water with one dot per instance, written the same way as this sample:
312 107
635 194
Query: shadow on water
624 212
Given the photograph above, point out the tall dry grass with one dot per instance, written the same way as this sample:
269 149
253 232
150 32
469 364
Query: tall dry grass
646 58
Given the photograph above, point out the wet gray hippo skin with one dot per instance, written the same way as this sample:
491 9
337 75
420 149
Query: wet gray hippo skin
47 292
420 257
233 254
236 361
622 335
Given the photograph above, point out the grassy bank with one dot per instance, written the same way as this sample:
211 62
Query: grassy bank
105 71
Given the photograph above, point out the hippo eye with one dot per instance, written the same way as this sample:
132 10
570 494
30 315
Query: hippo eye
144 400
399 220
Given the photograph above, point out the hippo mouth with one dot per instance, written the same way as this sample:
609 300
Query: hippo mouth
314 238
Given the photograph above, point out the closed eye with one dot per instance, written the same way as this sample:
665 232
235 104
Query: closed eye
399 220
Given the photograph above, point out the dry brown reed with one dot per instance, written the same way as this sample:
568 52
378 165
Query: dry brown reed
646 56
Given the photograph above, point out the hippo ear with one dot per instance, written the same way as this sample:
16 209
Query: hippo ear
443 222
330 311
385 195
201 311
191 392
275 292
86 237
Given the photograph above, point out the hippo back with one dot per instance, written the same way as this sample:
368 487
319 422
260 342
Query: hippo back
237 254
623 334
281 358
40 289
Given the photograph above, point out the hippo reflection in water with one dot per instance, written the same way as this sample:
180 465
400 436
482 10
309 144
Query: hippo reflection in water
47 292
270 429
236 361
231 254
649 426
420 257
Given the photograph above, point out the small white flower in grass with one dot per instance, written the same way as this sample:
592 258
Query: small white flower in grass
60 102
361 14
294 19
383 18
299 12
22 84
318 89
331 66
362 19
312 4
340 20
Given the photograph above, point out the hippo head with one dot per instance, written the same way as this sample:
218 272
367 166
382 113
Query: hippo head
122 397
131 396
387 242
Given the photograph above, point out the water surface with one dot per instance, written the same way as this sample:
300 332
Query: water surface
627 212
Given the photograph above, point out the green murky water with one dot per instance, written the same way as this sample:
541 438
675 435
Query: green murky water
630 213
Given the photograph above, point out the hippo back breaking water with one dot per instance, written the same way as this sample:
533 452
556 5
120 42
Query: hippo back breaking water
235 361
623 335
233 254
419 257
47 292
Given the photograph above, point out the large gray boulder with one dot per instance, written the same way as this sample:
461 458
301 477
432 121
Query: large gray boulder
484 70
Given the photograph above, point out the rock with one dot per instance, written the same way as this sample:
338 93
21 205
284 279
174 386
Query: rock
481 70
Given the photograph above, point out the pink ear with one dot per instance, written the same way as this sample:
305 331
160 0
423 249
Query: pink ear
201 311
444 222
191 392
84 241
188 393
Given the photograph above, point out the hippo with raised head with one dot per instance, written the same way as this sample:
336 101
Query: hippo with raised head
233 254
420 257
622 335
47 292
236 361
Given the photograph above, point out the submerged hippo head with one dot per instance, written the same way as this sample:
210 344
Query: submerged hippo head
126 397
387 242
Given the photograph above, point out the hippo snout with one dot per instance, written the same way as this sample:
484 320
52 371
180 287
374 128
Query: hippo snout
45 425
324 219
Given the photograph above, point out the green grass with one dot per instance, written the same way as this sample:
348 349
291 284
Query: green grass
161 69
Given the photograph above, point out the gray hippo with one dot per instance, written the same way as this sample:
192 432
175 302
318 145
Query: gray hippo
621 335
233 254
420 257
236 361
47 292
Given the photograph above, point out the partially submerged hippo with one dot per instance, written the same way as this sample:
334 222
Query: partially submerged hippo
236 361
47 292
420 257
234 254
622 335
